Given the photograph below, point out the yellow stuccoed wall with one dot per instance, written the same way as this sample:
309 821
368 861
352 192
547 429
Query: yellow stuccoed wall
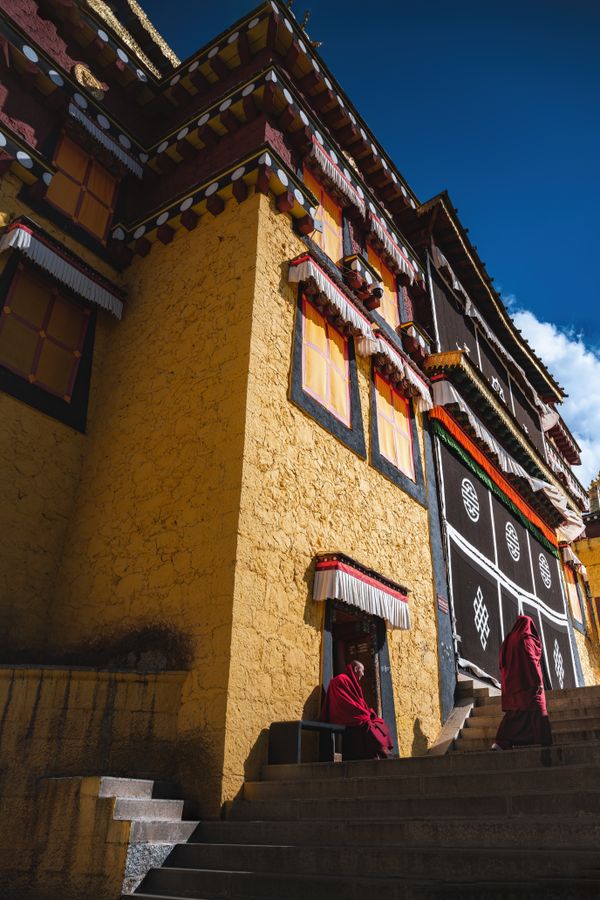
304 492
588 551
152 539
40 463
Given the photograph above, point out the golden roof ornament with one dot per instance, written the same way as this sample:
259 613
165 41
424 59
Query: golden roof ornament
84 77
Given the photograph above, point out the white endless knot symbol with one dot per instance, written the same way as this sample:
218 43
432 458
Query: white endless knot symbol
558 664
512 541
498 388
481 618
545 570
469 495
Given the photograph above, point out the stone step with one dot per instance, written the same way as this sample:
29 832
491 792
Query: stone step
476 805
449 864
559 726
504 832
148 810
526 758
161 832
235 885
579 696
134 788
560 714
536 780
484 737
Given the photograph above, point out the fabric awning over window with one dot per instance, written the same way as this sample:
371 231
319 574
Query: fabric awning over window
337 578
328 166
378 346
305 269
106 140
45 253
394 250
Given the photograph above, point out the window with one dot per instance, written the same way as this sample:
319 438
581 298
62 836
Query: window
394 427
330 214
82 188
324 380
325 369
42 334
389 302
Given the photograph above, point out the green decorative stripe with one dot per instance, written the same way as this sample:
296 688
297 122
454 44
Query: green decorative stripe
476 469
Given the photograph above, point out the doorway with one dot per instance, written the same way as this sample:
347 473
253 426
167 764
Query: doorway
354 635
350 633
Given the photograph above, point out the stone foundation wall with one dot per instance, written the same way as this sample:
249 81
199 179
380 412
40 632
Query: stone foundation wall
57 722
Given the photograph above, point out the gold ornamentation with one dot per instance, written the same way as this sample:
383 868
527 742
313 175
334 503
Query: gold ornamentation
84 77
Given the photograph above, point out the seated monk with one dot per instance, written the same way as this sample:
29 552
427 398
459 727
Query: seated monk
523 700
368 736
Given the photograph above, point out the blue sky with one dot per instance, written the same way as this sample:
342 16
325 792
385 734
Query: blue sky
495 101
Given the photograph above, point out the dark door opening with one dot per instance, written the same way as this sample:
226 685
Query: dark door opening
355 636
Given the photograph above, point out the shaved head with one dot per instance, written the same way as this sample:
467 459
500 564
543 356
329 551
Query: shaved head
358 667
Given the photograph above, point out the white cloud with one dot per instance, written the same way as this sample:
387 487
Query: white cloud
577 368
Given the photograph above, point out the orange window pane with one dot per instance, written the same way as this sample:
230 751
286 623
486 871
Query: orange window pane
389 302
72 159
64 193
393 427
339 395
94 215
29 298
315 327
315 374
101 183
325 368
55 368
330 214
18 345
67 323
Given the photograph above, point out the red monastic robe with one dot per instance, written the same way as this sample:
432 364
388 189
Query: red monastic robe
523 700
345 704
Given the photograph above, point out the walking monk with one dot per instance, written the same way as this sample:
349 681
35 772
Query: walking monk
523 700
369 736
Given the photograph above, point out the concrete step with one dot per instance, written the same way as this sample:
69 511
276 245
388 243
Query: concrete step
475 805
526 758
471 740
161 832
559 726
504 832
534 780
148 810
220 885
134 788
449 864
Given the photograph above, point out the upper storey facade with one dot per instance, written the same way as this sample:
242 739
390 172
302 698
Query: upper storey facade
118 145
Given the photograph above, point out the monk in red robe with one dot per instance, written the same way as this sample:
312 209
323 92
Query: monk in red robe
368 735
523 700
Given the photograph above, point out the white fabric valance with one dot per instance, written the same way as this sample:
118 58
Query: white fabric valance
549 418
394 250
335 174
378 346
442 263
305 269
105 140
21 238
445 394
571 559
337 580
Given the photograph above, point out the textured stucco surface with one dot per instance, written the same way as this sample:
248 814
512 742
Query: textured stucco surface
154 530
588 551
304 492
40 464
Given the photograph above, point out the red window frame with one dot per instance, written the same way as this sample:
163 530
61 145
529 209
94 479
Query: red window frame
329 328
40 330
84 188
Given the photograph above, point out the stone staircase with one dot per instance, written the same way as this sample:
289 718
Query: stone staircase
156 822
575 717
517 824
